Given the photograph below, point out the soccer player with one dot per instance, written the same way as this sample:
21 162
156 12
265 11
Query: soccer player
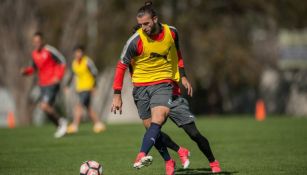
50 65
85 72
181 115
154 67
179 110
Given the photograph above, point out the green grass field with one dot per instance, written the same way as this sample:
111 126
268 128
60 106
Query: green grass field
242 145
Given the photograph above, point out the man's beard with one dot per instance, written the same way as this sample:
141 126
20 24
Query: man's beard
154 29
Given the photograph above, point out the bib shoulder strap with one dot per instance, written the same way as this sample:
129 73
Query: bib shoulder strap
142 35
167 30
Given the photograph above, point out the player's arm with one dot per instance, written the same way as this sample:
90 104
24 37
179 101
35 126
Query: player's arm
184 80
70 78
130 51
60 60
93 69
29 70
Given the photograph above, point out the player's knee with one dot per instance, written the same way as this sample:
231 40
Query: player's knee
78 109
158 120
44 107
146 123
159 117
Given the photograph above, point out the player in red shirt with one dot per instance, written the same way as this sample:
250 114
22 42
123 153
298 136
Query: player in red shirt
49 64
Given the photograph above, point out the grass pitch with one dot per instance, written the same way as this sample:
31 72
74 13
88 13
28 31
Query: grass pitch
242 145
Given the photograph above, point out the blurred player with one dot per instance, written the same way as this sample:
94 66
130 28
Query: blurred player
50 65
84 71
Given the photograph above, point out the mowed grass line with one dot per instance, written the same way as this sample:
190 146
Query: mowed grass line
243 146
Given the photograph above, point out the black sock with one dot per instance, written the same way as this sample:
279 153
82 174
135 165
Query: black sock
160 146
53 119
169 142
202 142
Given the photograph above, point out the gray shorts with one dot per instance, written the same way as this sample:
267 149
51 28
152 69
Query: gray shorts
85 98
48 93
180 112
147 97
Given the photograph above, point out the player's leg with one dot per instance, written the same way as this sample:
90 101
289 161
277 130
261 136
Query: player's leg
99 126
152 133
202 142
48 95
160 98
77 116
46 103
182 152
50 113
162 149
203 145
169 143
159 115
181 115
86 101
142 101
159 146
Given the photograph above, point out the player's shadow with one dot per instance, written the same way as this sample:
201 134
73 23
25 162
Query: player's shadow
201 171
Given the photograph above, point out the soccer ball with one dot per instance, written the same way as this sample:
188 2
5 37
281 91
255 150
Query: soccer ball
91 167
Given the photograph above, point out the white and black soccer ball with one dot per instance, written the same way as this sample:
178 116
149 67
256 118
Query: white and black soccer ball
91 167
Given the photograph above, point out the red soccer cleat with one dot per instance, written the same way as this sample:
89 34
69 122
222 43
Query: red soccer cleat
170 167
215 167
184 155
142 160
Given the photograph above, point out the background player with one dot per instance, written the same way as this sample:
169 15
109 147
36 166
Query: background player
84 72
50 65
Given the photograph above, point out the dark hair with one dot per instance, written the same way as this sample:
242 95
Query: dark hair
39 34
79 47
147 9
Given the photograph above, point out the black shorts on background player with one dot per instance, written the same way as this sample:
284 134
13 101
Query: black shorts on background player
85 98
48 93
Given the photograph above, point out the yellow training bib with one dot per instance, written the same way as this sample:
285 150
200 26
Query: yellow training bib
85 81
158 61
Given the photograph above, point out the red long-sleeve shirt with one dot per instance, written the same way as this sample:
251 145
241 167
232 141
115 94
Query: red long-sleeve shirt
50 65
134 48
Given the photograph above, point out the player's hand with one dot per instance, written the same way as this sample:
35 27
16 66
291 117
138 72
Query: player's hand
66 90
22 71
185 82
117 103
93 91
56 80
